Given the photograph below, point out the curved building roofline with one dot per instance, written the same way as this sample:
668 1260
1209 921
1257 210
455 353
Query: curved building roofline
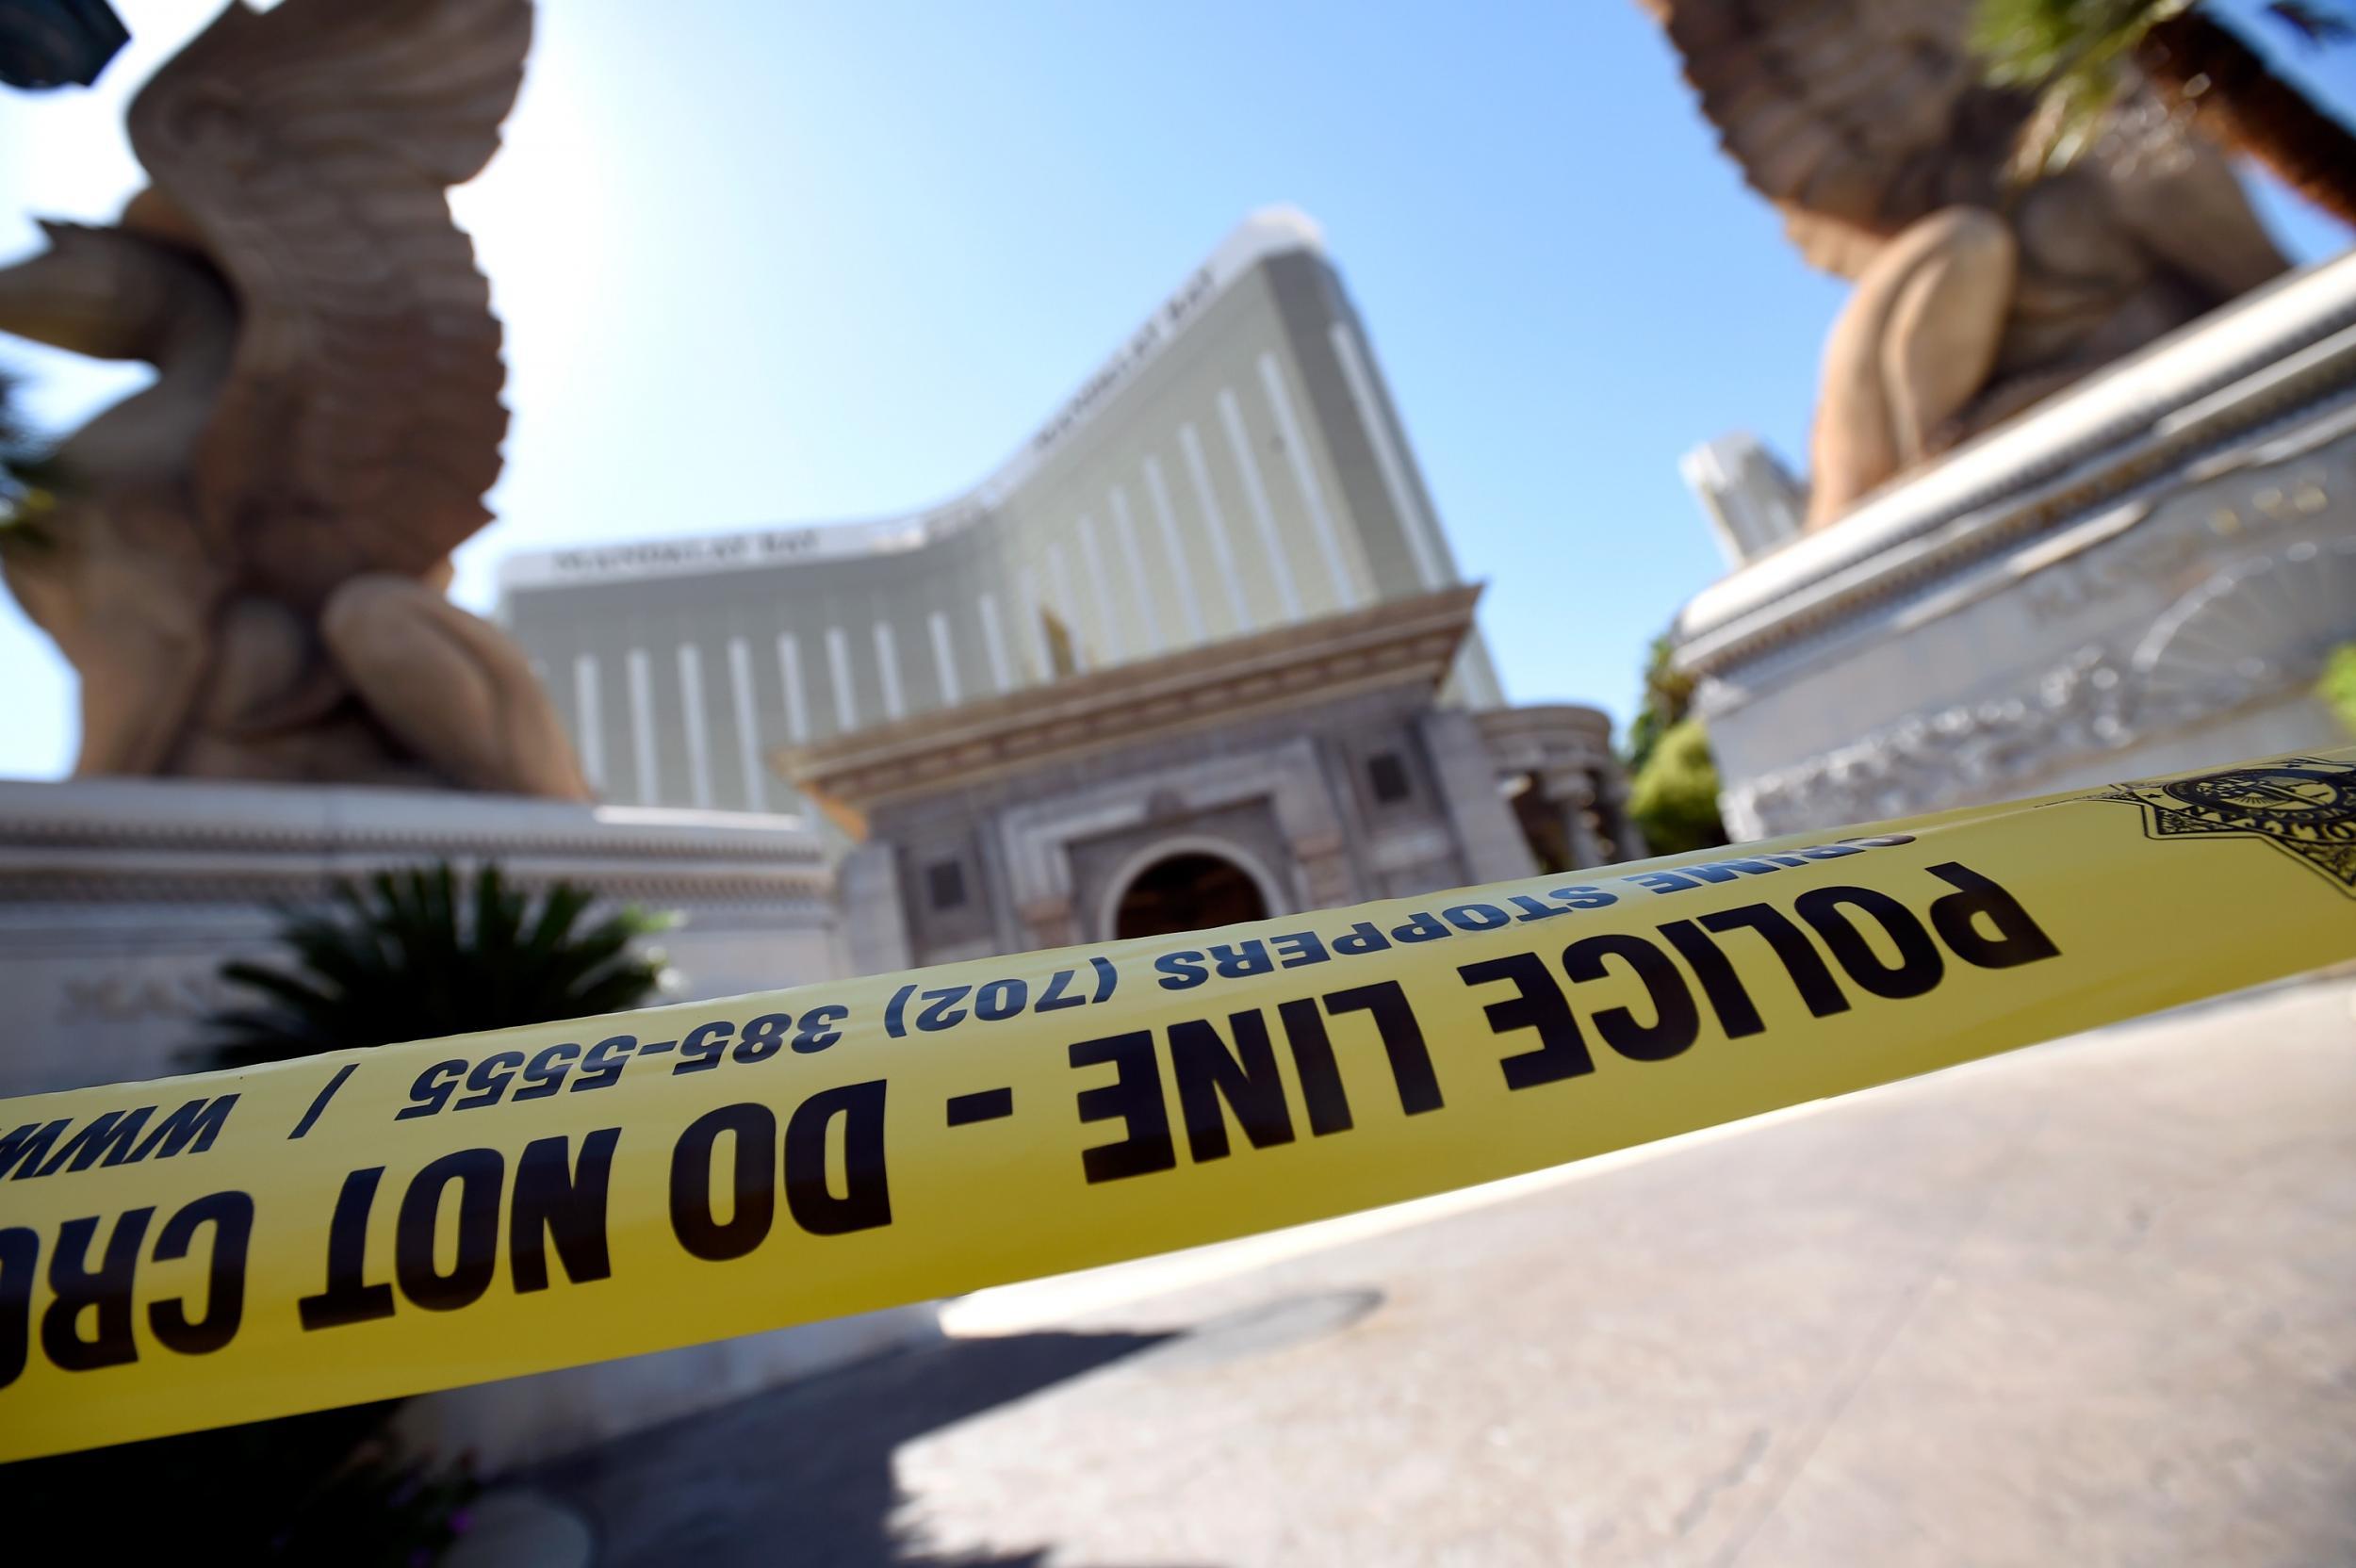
1270 231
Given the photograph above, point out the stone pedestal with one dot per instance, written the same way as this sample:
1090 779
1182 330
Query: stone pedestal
121 898
2142 575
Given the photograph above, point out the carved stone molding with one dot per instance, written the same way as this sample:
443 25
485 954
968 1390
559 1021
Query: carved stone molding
1545 738
160 843
2257 627
1962 751
1400 644
1037 840
2276 503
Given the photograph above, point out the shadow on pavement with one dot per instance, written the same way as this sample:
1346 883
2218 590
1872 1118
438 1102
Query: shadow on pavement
802 1474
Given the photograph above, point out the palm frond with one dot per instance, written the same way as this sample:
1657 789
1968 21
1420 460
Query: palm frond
422 952
563 906
2313 25
289 989
31 477
2074 56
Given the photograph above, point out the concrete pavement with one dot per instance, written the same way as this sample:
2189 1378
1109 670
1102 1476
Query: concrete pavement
2089 1303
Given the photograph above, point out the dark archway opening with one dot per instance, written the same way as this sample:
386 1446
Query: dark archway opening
1187 893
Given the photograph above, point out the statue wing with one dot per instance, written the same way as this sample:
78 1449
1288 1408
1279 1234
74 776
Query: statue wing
310 147
1868 113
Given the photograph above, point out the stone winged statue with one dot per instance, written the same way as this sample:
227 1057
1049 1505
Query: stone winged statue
1869 124
245 561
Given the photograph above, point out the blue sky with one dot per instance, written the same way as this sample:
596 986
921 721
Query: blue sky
766 263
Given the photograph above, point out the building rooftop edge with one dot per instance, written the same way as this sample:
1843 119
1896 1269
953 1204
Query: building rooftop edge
355 818
1269 230
1099 710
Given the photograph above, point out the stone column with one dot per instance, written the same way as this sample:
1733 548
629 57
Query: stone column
874 926
1625 834
1572 793
1487 834
1302 800
1324 861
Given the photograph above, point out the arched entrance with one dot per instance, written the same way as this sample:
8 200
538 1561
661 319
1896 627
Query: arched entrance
1188 891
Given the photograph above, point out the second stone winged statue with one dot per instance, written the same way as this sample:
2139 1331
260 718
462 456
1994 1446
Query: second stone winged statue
1870 125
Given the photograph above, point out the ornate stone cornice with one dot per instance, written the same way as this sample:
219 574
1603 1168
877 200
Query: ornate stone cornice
137 841
2252 632
1540 736
1399 643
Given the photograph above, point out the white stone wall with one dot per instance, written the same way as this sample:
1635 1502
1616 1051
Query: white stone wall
2173 633
120 900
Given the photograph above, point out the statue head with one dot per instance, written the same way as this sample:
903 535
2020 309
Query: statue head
104 292
1830 244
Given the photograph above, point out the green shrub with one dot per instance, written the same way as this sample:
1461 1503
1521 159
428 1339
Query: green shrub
2338 686
1674 796
1668 693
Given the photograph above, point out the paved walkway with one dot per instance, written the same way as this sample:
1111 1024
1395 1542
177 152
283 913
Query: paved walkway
2090 1304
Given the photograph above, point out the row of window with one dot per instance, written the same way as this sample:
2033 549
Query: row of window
1048 610
1386 774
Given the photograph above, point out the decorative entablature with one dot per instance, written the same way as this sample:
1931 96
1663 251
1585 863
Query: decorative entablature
176 843
1543 739
1404 643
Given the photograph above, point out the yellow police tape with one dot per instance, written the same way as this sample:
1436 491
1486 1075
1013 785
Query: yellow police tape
205 1250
